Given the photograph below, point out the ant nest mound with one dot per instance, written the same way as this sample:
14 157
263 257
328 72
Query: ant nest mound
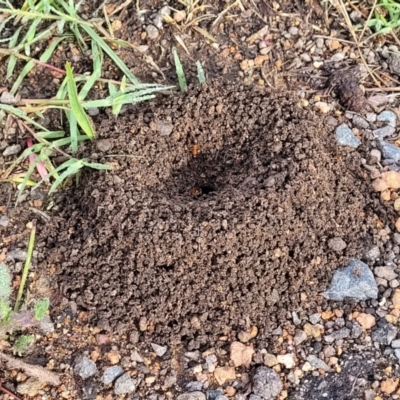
219 213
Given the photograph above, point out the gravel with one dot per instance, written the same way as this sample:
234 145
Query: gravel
384 333
355 281
389 151
383 132
318 363
111 374
159 350
192 396
389 117
385 273
337 244
266 383
340 334
152 32
124 384
85 368
346 137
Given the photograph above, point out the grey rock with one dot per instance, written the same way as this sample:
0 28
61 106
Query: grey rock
389 151
337 244
192 396
294 30
354 281
370 117
4 221
152 32
397 354
383 132
300 337
214 394
135 356
194 386
103 145
46 325
320 43
159 350
255 397
389 117
383 333
338 57
305 57
385 273
381 282
296 319
356 16
221 397
377 154
315 318
124 384
373 253
360 122
266 383
110 374
356 330
318 363
396 343
7 98
164 11
12 150
396 238
164 128
158 21
394 283
17 254
93 111
85 368
340 334
345 136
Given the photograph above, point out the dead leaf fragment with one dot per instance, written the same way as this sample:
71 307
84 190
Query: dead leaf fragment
241 354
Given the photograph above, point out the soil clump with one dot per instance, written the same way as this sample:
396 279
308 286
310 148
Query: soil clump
217 215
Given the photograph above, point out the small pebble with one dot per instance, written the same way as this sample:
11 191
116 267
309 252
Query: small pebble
345 137
293 30
12 150
389 151
383 132
124 384
7 98
389 117
85 368
377 154
360 122
337 244
152 32
111 373
338 57
159 350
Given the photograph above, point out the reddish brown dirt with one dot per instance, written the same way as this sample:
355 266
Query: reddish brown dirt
223 221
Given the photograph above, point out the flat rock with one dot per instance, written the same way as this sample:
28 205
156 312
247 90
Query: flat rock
85 368
346 137
30 387
389 151
12 150
383 132
159 350
266 383
340 334
111 374
355 281
385 273
384 333
389 117
124 384
192 396
318 363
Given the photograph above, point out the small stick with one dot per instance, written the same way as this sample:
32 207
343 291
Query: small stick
6 391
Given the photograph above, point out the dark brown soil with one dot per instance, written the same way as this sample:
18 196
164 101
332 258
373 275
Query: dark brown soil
221 223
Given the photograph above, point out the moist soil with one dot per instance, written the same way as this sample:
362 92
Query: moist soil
217 214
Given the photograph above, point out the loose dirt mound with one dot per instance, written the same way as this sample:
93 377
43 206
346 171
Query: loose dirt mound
224 219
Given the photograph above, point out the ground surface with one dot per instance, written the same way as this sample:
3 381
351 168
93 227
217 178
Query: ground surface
216 219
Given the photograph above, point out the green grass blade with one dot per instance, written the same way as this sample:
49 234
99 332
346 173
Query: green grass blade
121 65
12 61
43 58
22 115
28 174
76 106
200 72
71 170
97 166
51 134
73 131
98 59
179 72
